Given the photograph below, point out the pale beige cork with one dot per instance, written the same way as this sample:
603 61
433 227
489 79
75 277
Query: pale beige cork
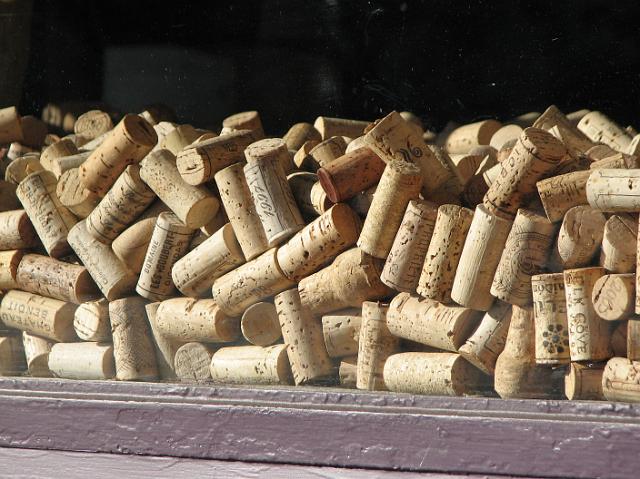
179 138
51 220
614 296
560 193
614 190
129 142
348 372
618 252
260 325
467 165
466 137
272 150
600 152
621 380
614 160
36 351
302 159
601 129
192 362
74 196
9 261
60 149
111 275
327 151
299 134
164 346
131 245
46 317
579 238
65 163
341 331
12 360
478 184
89 360
319 199
583 382
92 124
589 336
302 333
550 314
91 321
504 134
236 198
194 205
16 151
431 323
22 167
10 125
246 120
251 365
16 231
328 127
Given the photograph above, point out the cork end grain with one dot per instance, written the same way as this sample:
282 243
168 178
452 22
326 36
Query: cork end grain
139 131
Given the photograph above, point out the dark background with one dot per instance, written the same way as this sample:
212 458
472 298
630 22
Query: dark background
293 60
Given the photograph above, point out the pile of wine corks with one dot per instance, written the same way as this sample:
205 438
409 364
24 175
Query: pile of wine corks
487 258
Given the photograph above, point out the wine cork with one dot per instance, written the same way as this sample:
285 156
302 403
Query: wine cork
179 138
12 358
561 193
273 200
165 347
16 151
550 313
400 182
443 254
614 190
632 340
46 317
503 135
82 361
466 165
91 321
251 365
589 336
348 372
600 152
195 206
10 125
601 129
301 183
200 162
272 150
579 238
479 259
51 220
299 134
341 331
63 148
403 266
442 374
22 167
486 343
583 382
319 199
615 161
478 184
16 231
375 345
613 296
124 202
55 279
217 222
36 351
111 275
618 253
74 196
431 323
131 245
9 261
260 324
327 151
329 127
132 346
525 254
192 362
65 163
8 199
302 158
320 241
353 277
169 242
246 120
302 333
535 156
194 273
129 142
466 137
619 380
92 124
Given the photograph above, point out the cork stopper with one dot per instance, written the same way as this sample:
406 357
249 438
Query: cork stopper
341 331
16 231
131 245
329 127
269 149
299 134
583 382
92 124
579 237
91 321
550 316
9 261
260 324
614 190
614 296
559 194
36 351
251 365
192 361
73 195
618 252
88 360
246 120
466 137
22 167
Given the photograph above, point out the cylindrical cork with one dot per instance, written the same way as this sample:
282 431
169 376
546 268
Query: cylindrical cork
517 376
550 313
250 283
16 231
195 272
55 279
443 255
589 336
132 346
59 149
601 129
535 156
36 351
46 317
165 347
194 205
124 202
10 125
319 242
505 134
467 165
302 159
560 193
246 120
479 259
91 321
273 200
200 320
353 277
400 182
169 242
251 365
131 245
616 161
9 261
300 133
21 167
236 198
478 184
614 190
579 238
619 380
51 220
329 127
403 266
341 331
192 362
633 339
260 325
583 382
525 254
12 360
301 183
618 253
73 195
466 137
442 374
302 333
319 199
179 138
199 163
431 323
375 345
66 163
328 151
348 372
487 342
128 143
92 124
614 296
82 361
